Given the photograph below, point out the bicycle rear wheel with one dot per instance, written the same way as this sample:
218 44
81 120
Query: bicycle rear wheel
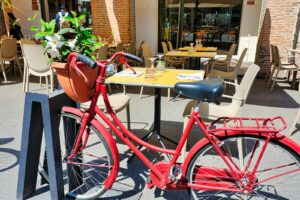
207 168
87 171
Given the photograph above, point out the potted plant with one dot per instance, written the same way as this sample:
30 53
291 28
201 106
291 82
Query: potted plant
59 44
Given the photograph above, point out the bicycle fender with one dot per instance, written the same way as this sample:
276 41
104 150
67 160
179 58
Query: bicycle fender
110 141
279 138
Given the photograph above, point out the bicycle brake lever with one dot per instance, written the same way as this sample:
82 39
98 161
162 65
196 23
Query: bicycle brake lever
123 61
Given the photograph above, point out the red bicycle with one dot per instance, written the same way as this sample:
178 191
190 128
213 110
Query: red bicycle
267 167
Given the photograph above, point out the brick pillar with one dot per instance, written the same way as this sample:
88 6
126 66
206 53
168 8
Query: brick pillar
278 25
117 20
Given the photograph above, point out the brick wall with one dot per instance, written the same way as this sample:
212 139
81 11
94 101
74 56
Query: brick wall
278 24
124 15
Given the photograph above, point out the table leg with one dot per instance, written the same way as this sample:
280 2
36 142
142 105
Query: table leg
156 128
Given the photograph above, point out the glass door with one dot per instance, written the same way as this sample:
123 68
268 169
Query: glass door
213 22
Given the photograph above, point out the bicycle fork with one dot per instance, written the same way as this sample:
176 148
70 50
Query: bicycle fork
83 129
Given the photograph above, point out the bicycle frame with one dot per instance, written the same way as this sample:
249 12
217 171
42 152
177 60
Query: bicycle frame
162 179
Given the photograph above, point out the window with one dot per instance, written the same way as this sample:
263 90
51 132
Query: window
215 23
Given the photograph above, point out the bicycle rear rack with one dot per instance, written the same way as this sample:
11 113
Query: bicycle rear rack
240 124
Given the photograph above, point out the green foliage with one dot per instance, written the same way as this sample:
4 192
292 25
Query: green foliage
59 44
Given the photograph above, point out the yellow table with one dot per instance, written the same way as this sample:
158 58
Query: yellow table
205 49
191 54
164 79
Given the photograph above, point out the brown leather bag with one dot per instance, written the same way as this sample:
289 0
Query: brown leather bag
74 84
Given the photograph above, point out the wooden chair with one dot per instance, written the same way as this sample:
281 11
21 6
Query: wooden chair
146 54
102 52
228 75
211 111
278 66
9 53
172 61
223 62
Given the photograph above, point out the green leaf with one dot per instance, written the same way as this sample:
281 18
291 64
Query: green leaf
51 60
34 28
65 30
40 35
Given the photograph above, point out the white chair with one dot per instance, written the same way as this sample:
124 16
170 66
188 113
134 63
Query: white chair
37 63
118 103
22 42
211 111
9 53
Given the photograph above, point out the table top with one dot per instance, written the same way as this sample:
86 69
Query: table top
206 49
163 79
200 54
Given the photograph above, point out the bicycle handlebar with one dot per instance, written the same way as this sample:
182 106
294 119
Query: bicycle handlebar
90 62
133 57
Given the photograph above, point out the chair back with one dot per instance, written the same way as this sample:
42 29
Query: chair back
36 59
231 52
240 61
27 41
131 49
164 46
119 47
272 54
8 48
102 53
140 50
146 54
170 46
277 61
242 90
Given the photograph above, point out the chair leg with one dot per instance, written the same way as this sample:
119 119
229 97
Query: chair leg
141 92
3 70
47 84
124 89
294 123
240 153
51 83
24 76
128 116
19 67
273 84
27 82
270 77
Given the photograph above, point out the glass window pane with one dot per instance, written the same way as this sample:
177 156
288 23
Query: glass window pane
214 22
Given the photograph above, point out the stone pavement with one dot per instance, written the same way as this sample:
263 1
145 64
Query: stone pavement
131 180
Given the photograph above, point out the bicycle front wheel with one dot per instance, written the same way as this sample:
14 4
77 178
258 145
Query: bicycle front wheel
86 172
207 168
